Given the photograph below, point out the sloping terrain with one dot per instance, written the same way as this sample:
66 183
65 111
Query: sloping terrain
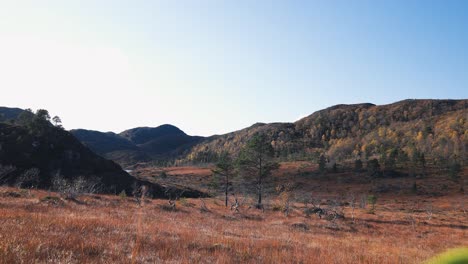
162 141
55 154
111 146
140 144
34 153
438 128
7 113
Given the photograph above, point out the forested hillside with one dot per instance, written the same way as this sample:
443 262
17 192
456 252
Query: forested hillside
410 129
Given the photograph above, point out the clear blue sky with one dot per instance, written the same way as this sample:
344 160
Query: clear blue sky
211 67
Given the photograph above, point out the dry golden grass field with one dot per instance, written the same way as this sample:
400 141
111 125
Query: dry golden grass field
41 227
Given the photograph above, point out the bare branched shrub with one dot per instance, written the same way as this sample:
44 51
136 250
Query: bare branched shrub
314 209
173 196
235 205
334 210
429 211
238 202
363 201
352 204
411 215
71 189
203 207
29 178
331 212
140 192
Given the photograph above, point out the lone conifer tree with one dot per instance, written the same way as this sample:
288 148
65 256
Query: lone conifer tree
225 168
256 160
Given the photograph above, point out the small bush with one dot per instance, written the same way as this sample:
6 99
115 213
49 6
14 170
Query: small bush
372 199
300 226
277 207
183 201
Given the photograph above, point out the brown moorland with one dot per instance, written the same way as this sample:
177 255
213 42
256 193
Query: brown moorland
40 226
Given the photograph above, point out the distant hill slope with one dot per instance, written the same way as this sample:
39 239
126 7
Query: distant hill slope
142 135
438 127
111 146
7 113
56 153
161 141
138 144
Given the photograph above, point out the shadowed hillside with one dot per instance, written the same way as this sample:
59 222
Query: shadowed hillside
7 114
34 153
160 142
111 146
140 144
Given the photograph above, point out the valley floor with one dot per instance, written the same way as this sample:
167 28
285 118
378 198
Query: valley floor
39 227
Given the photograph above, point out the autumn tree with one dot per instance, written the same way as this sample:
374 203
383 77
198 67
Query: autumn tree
256 160
225 168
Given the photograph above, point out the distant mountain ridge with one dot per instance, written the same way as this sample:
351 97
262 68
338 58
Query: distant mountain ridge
340 130
141 144
435 127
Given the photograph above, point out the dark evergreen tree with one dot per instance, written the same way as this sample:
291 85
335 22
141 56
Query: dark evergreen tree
256 160
225 168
